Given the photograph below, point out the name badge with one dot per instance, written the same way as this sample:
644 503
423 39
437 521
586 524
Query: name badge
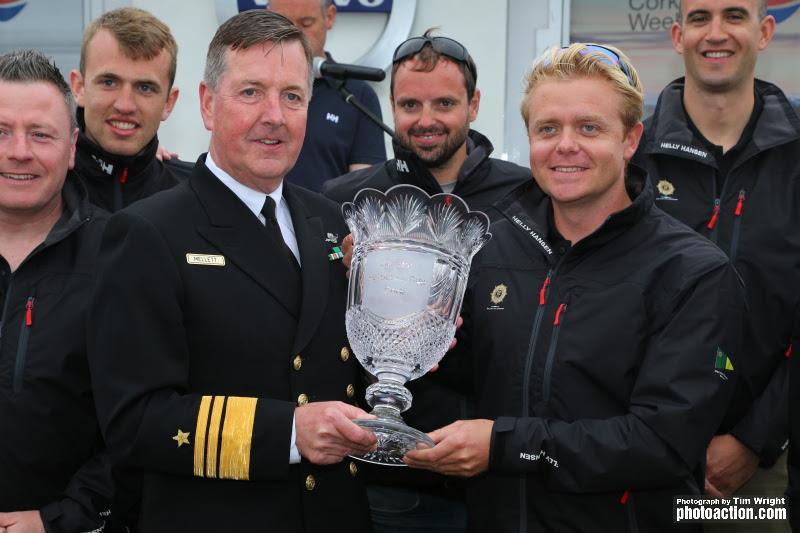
205 259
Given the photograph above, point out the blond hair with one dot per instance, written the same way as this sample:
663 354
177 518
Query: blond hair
583 60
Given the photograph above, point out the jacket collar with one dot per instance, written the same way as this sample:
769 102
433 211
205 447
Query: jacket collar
96 163
406 167
76 211
528 209
236 231
668 130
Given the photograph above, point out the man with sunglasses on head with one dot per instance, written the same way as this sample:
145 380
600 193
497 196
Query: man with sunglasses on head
434 99
339 138
721 149
593 327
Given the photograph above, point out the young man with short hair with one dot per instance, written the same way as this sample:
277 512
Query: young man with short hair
124 89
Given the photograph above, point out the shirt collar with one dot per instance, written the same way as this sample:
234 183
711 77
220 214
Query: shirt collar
253 199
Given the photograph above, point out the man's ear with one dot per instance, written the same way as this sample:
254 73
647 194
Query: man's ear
474 104
330 16
677 37
76 83
207 105
172 98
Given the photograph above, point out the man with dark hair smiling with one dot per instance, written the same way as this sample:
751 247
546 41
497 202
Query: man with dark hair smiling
721 149
53 473
434 99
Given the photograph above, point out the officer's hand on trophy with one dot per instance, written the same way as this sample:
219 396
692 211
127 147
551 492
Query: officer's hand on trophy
326 433
347 250
462 449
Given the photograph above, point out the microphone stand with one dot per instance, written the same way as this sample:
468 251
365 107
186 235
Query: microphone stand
352 100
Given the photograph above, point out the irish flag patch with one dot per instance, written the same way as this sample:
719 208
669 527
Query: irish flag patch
722 363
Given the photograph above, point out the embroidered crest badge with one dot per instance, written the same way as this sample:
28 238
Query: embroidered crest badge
498 294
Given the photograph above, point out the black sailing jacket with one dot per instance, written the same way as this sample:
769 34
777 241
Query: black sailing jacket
607 366
116 181
50 443
482 180
753 214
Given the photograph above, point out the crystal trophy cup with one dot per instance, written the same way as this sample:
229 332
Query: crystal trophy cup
410 264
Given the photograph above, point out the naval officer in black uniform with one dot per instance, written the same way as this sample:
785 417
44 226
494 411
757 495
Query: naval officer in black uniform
217 326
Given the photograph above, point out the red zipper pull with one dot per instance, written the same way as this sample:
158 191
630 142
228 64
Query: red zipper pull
560 310
739 204
543 290
713 221
124 176
624 499
29 312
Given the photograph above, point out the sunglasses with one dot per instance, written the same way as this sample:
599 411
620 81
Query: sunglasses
608 57
443 45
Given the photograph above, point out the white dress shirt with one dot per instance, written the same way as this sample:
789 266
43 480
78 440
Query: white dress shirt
254 200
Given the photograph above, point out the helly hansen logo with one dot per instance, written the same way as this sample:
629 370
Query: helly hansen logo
683 148
108 168
541 456
402 166
534 235
332 118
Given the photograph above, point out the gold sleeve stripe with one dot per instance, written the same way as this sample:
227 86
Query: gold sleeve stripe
237 437
213 436
200 436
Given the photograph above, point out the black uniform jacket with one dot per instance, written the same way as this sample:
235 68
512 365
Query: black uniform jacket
116 181
482 180
607 366
201 353
50 443
752 212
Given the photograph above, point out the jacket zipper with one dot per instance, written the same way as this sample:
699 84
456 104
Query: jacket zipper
22 344
737 223
123 178
526 385
551 352
627 501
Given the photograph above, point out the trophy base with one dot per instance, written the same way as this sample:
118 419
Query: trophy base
395 439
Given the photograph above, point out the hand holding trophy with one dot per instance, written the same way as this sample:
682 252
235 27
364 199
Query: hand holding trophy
410 265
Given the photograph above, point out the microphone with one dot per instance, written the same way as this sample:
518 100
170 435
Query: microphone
343 71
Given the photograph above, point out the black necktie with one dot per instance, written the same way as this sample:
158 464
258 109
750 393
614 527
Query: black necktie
274 231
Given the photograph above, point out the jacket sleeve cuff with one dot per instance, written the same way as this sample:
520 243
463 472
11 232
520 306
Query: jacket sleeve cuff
68 516
506 450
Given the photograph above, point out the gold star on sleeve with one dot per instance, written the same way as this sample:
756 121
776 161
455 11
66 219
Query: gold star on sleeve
181 438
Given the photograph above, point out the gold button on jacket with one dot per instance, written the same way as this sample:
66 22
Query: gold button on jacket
351 391
310 482
302 399
344 354
353 468
297 362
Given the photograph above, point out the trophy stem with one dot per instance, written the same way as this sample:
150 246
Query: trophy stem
388 395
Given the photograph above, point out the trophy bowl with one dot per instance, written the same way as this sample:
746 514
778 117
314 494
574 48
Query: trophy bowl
408 274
